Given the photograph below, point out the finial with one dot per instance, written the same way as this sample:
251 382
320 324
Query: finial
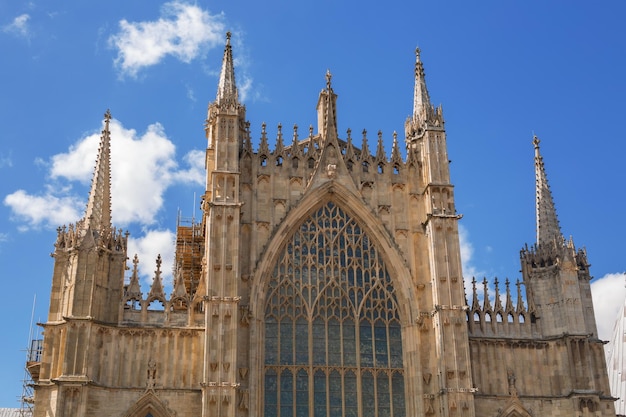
228 35
536 141
329 76
107 116
417 53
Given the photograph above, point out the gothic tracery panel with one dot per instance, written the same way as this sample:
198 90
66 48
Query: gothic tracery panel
332 329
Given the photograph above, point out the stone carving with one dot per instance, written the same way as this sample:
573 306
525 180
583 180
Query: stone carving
151 374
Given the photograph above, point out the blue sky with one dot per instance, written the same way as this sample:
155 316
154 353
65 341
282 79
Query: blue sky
503 70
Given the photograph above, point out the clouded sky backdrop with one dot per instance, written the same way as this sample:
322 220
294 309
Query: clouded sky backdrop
502 70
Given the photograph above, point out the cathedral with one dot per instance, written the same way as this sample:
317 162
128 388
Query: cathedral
323 279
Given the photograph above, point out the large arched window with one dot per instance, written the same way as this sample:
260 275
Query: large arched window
333 343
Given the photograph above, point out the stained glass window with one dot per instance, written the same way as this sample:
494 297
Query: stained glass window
333 342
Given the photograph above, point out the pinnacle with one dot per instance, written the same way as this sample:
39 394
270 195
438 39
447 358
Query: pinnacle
327 111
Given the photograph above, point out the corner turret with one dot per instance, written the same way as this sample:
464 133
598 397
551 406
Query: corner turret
555 273
226 131
87 285
87 282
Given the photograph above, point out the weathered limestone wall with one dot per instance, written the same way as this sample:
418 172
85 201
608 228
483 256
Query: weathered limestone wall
541 373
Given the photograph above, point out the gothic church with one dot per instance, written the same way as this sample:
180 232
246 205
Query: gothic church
324 279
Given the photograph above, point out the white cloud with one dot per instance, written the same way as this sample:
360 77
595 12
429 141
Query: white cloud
44 209
78 163
608 295
143 168
4 237
19 26
196 173
190 93
467 251
246 89
147 248
5 161
183 31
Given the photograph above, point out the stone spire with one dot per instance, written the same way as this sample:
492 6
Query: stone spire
421 99
548 229
226 88
98 212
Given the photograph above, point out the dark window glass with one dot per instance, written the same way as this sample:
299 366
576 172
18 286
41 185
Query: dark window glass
399 409
271 399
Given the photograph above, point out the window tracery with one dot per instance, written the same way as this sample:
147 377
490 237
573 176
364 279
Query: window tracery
333 343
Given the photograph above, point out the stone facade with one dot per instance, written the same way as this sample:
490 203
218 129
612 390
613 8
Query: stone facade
323 279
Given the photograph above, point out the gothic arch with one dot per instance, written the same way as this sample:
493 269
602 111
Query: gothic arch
355 207
394 284
148 403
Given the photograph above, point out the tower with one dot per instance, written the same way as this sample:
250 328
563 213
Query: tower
439 248
548 357
222 207
90 259
556 274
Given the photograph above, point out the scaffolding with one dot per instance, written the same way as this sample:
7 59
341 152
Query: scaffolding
189 252
31 370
